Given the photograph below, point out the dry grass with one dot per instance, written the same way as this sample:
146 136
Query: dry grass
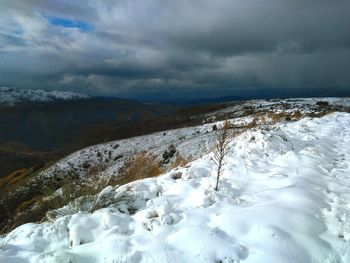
180 161
54 196
13 178
142 165
29 204
269 118
56 199
68 190
297 115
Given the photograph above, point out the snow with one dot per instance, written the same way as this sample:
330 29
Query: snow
190 142
12 96
304 105
284 196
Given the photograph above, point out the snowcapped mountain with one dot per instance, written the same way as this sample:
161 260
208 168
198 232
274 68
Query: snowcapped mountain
12 96
283 197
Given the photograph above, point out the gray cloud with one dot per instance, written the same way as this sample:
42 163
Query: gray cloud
177 47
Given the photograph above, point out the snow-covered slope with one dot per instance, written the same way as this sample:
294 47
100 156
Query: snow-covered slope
11 96
191 142
304 105
283 197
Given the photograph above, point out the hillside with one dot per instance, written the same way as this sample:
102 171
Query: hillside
37 128
23 192
283 197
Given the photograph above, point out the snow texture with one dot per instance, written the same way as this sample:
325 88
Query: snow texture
284 196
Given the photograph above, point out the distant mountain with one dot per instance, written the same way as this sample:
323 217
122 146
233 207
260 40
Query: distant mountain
188 102
12 96
216 100
38 126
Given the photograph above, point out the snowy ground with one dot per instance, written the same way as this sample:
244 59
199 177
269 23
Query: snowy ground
191 142
304 105
284 197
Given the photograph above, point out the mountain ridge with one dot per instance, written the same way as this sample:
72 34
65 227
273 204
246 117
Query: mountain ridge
10 96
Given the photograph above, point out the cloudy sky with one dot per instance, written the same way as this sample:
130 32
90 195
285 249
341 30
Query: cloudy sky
177 48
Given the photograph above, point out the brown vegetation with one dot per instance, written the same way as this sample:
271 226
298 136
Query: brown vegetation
31 206
180 161
67 188
142 165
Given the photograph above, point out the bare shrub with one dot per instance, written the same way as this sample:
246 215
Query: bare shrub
80 193
221 147
91 203
168 155
59 198
70 190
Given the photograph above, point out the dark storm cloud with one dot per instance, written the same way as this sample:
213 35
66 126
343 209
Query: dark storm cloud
272 26
131 47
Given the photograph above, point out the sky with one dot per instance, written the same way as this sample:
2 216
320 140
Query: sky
177 48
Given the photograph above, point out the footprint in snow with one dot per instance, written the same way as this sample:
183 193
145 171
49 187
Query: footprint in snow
241 252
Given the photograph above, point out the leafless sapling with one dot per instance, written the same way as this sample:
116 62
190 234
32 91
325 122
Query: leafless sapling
224 137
